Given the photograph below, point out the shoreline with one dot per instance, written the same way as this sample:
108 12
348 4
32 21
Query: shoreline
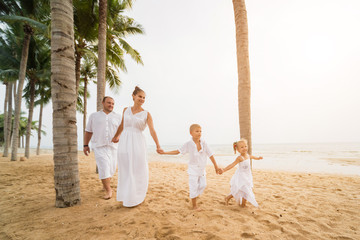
332 166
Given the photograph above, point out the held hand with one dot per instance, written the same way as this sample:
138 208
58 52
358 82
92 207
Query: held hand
220 171
159 150
86 151
260 158
115 139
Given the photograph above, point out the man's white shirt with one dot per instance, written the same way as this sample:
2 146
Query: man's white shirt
103 127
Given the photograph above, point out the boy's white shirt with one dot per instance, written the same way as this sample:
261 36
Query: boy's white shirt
103 126
198 159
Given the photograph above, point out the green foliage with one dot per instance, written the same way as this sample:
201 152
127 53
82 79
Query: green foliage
22 129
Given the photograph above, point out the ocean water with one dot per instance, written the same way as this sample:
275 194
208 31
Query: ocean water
333 158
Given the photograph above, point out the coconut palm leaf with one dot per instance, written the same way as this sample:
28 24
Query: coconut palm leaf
35 24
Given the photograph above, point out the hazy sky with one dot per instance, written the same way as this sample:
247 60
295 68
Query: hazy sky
304 63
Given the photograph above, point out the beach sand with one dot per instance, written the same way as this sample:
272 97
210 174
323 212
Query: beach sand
292 206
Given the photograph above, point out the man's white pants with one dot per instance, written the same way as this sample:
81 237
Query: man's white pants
106 160
197 185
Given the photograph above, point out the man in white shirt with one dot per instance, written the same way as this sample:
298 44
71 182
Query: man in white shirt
101 128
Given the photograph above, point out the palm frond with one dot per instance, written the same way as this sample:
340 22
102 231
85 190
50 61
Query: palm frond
31 22
135 55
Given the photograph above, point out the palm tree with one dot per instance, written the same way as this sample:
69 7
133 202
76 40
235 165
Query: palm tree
9 72
244 88
5 111
104 5
101 53
118 26
66 173
86 30
24 11
44 92
38 68
88 73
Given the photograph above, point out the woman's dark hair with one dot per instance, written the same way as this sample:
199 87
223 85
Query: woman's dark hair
137 90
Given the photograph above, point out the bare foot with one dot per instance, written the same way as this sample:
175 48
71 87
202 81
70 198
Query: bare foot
108 195
226 200
197 208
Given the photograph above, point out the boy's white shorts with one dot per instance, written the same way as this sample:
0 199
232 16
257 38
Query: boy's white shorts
197 185
106 160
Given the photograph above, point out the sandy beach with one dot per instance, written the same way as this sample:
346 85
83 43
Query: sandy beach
292 206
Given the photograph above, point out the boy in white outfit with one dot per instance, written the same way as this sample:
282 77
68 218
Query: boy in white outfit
100 129
198 151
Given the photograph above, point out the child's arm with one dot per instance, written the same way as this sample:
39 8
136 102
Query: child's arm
230 166
175 152
256 158
215 165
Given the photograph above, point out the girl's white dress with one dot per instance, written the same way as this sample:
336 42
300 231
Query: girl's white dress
133 170
241 183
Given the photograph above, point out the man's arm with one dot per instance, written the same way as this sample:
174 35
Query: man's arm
87 138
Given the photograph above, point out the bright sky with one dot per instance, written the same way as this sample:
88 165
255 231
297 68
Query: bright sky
304 63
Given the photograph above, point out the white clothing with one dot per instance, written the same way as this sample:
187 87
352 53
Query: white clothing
197 185
106 161
198 159
133 166
103 127
241 183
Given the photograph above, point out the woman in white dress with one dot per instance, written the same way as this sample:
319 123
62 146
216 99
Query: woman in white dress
133 169
241 183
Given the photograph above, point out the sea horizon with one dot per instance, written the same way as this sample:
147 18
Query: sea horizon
331 157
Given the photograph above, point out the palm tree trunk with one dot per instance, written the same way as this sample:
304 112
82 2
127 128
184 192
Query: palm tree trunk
63 94
15 91
8 120
29 124
101 53
24 57
6 112
244 87
77 69
39 130
85 105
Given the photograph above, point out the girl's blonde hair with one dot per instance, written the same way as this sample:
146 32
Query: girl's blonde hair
236 143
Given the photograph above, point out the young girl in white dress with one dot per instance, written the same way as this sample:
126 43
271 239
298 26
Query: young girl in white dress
241 183
133 168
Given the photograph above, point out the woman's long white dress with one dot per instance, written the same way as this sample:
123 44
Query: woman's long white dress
133 168
241 183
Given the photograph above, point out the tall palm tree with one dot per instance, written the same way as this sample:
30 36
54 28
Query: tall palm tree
86 31
104 5
38 68
44 93
26 12
244 87
88 73
10 50
66 173
86 36
5 111
8 119
101 53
